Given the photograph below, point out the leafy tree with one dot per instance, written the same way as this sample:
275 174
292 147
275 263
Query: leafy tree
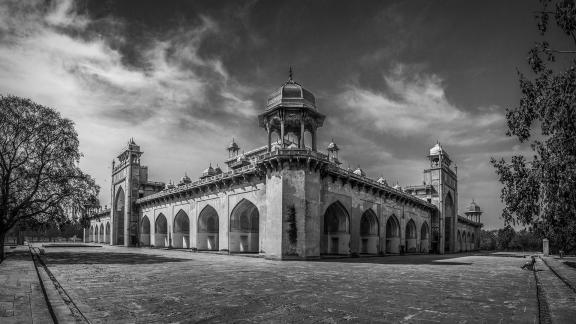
504 237
39 173
540 191
488 239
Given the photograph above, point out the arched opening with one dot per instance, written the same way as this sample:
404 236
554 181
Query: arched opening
472 242
91 234
369 233
244 228
411 238
449 214
425 238
459 246
107 232
392 235
464 242
96 237
119 217
181 237
160 231
102 237
208 229
336 238
469 242
145 231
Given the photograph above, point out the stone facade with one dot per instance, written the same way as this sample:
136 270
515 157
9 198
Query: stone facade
284 200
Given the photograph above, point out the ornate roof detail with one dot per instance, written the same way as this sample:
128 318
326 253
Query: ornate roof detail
359 172
437 149
217 170
233 146
473 207
382 181
169 185
185 180
397 186
291 94
332 147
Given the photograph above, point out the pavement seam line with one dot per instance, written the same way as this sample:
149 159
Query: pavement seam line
543 308
64 295
560 277
50 309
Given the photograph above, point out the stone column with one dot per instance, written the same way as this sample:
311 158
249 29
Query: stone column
545 247
282 133
301 142
269 137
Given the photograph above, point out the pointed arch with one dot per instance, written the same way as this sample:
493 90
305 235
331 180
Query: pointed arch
392 235
101 238
369 233
244 227
411 236
449 214
107 233
181 237
145 231
459 247
336 238
472 242
208 229
118 223
424 238
161 231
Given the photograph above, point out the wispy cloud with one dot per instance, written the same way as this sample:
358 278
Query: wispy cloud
415 104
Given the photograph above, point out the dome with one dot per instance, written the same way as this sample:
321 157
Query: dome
473 207
291 94
436 149
217 170
359 172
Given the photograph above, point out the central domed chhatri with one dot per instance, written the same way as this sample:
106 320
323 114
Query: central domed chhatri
291 94
291 111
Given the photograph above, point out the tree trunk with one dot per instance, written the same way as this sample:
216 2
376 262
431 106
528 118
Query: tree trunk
2 236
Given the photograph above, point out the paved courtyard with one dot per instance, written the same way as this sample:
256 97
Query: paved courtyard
149 285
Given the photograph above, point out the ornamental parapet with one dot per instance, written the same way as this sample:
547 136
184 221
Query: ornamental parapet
336 172
467 221
221 180
100 214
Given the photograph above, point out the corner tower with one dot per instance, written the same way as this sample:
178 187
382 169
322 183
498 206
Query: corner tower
444 181
126 176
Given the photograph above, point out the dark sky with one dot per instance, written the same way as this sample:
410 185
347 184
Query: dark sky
184 77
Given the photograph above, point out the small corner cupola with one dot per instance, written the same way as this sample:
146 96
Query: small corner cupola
383 181
208 172
333 152
291 112
233 149
437 153
185 180
397 186
473 212
359 172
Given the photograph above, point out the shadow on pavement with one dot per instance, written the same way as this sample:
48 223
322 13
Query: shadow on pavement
54 258
440 260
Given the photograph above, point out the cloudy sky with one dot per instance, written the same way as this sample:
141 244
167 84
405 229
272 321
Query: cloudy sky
184 77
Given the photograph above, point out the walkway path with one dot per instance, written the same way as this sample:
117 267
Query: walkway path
149 285
21 297
558 282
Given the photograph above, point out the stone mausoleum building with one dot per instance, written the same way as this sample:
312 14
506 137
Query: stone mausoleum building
286 199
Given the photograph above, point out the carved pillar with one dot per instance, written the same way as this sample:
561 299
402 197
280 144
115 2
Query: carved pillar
282 133
314 140
268 128
301 141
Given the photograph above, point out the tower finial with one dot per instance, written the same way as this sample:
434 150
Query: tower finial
290 74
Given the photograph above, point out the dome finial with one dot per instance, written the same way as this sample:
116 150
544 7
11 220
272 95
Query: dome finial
290 73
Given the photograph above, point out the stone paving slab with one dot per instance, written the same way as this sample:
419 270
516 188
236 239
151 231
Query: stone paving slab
21 297
560 266
147 286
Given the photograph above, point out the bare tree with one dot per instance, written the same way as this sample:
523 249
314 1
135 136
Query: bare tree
39 173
